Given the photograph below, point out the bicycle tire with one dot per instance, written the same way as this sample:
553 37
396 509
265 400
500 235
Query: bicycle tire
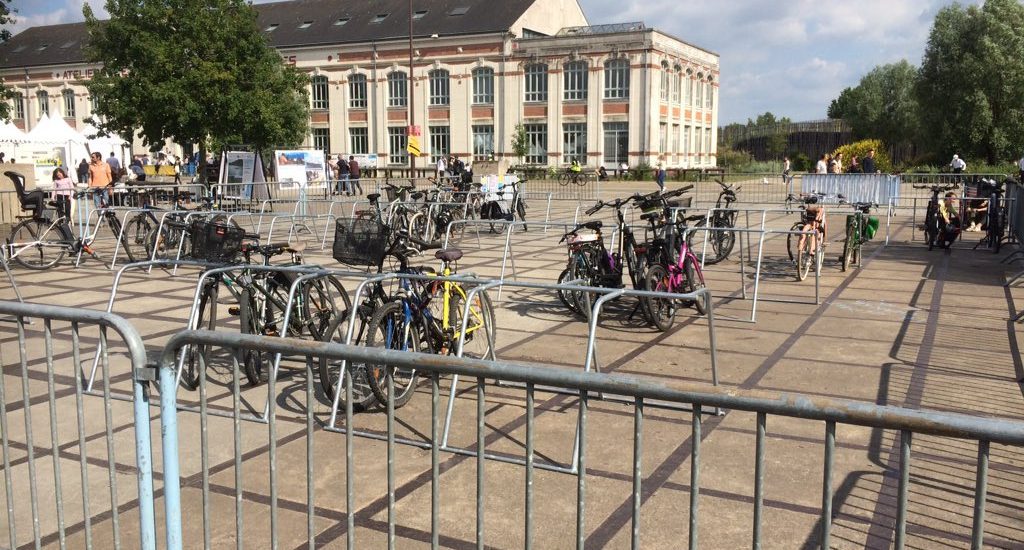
418 224
580 180
563 179
931 229
804 257
248 316
329 370
521 210
165 238
848 246
320 302
135 238
793 241
20 245
662 311
197 356
481 310
694 282
387 323
566 296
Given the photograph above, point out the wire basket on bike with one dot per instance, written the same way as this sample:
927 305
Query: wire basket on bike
360 241
215 241
396 193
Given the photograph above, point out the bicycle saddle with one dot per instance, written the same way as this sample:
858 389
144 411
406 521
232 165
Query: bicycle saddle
593 225
448 255
372 197
416 195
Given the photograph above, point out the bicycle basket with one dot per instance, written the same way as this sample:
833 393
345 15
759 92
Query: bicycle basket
393 193
575 242
216 242
360 242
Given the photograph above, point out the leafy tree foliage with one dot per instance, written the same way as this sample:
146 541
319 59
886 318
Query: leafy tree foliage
860 150
6 93
882 105
520 145
192 71
971 85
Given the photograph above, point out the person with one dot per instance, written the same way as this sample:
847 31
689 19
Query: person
442 167
854 166
660 178
62 187
868 163
2 155
839 163
822 166
957 164
787 168
602 174
100 178
623 170
115 166
342 176
83 171
353 174
137 169
950 212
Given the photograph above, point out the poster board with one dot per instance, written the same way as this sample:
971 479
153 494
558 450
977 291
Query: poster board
300 169
241 175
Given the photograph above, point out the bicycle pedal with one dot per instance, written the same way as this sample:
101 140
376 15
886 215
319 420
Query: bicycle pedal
234 310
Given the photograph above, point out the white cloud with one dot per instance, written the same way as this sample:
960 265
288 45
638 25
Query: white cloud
53 13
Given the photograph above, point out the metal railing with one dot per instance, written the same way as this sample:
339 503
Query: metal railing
638 392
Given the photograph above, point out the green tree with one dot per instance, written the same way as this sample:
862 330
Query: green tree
971 83
6 93
882 105
195 71
520 146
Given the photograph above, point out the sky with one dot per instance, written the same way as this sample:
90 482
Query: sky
789 57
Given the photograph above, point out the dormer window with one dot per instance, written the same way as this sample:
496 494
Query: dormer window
461 10
271 27
379 17
306 25
341 21
419 14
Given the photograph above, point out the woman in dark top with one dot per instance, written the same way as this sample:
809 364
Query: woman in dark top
83 171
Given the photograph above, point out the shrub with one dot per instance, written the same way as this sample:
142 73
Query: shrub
860 150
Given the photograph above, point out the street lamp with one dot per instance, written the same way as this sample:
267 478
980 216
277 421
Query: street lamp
412 100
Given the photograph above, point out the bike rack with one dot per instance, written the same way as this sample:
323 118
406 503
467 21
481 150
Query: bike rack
291 229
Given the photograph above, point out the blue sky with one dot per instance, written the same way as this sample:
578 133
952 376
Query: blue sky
789 57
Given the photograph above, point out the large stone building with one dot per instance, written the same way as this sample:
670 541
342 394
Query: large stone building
604 94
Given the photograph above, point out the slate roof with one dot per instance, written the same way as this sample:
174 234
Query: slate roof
302 23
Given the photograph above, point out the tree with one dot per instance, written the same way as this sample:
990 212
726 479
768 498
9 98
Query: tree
6 93
520 145
882 105
971 82
193 71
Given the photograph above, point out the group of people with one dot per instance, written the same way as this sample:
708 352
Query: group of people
452 167
346 172
829 164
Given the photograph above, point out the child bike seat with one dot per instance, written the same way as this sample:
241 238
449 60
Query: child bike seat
592 225
448 255
372 197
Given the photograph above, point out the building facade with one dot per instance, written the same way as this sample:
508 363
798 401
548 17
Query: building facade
604 95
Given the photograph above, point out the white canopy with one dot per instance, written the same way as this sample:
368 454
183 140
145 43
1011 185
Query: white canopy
9 133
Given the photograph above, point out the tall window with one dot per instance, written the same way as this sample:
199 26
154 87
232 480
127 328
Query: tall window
398 92
692 92
322 140
616 79
699 98
536 76
439 87
44 102
397 143
360 141
675 140
677 86
686 142
357 91
710 95
698 141
664 81
707 140
94 104
616 143
483 86
69 103
19 105
440 142
687 92
537 141
319 95
483 141
574 139
663 141
575 80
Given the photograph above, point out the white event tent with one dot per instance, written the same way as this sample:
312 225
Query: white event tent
10 138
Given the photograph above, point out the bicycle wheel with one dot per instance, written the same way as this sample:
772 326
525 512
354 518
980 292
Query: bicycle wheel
580 180
166 241
661 311
793 241
389 329
116 230
197 357
849 245
35 245
805 256
694 282
480 328
521 210
931 229
330 369
135 239
249 317
418 226
568 298
322 299
563 179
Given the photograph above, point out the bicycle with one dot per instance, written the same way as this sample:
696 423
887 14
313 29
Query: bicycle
932 219
860 228
144 233
803 249
261 296
720 242
492 208
995 218
672 273
38 242
568 176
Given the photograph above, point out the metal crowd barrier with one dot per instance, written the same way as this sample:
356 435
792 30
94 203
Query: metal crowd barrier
640 393
24 480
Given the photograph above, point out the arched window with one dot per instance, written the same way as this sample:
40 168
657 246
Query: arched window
483 86
536 76
398 92
575 75
319 95
43 99
440 88
616 79
69 103
94 104
19 105
357 91
677 84
710 102
664 81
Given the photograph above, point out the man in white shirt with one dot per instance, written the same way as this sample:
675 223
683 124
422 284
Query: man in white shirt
957 164
822 166
441 167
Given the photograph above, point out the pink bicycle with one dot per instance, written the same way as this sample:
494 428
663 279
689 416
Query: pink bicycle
672 273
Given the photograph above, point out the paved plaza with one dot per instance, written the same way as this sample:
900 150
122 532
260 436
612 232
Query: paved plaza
910 328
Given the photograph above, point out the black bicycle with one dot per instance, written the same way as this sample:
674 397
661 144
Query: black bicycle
933 226
718 240
995 216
